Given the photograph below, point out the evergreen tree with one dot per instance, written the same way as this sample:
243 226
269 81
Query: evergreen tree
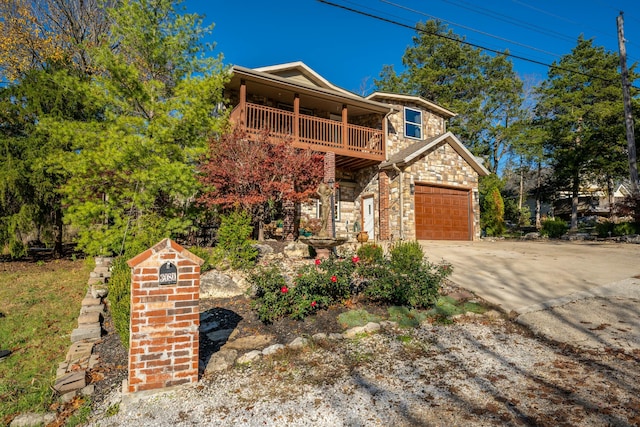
484 90
580 110
132 169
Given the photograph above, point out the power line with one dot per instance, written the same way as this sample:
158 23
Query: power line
471 29
498 52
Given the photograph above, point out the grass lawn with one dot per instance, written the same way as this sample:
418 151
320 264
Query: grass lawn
40 303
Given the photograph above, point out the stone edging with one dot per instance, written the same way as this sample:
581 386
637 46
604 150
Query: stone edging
71 377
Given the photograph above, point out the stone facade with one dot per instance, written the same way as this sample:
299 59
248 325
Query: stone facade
432 125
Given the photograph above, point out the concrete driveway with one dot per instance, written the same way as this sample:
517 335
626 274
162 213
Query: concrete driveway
584 293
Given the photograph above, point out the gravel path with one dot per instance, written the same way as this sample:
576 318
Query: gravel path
476 372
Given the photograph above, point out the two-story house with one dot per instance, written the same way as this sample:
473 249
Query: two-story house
399 174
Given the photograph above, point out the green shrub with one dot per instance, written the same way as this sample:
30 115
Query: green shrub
205 255
415 286
610 228
625 228
234 243
554 228
271 299
406 278
370 253
404 255
119 297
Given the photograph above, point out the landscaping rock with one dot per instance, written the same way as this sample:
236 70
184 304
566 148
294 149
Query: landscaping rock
532 236
214 284
72 381
30 419
68 397
263 249
221 361
92 309
89 318
296 250
99 290
388 324
334 336
249 343
88 390
298 343
86 332
320 336
366 329
493 314
252 356
272 349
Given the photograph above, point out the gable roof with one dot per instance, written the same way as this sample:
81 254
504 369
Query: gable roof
302 73
411 153
299 77
381 96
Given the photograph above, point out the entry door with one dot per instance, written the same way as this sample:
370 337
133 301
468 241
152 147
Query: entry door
368 217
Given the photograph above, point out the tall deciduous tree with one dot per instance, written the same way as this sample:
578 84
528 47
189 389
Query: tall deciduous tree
36 33
484 90
132 169
581 110
252 174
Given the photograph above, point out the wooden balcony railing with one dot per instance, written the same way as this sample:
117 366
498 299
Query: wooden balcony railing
312 132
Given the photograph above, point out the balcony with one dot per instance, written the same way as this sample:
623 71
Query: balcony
354 146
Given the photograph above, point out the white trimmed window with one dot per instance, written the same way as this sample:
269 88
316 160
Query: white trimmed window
412 123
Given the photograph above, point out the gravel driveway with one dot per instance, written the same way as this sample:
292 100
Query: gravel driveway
478 371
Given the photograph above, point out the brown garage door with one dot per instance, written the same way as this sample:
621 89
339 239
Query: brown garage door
442 213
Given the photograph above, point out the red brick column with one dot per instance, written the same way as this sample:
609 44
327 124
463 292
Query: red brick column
330 176
165 317
383 184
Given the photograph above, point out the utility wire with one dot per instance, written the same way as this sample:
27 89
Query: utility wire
498 52
562 18
471 29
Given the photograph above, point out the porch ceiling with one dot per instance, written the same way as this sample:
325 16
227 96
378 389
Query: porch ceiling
283 90
354 163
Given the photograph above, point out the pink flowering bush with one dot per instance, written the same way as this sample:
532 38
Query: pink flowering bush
404 278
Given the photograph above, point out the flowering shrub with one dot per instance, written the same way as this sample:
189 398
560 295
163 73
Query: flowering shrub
405 278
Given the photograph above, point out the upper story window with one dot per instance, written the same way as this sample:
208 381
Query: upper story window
412 123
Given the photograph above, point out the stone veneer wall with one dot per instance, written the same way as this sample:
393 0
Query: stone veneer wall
432 125
441 166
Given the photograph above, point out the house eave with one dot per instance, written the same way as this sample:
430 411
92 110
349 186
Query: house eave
447 114
454 142
341 95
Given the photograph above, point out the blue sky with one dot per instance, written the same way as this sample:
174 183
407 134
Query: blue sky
350 50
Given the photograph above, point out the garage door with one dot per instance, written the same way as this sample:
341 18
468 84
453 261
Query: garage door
442 213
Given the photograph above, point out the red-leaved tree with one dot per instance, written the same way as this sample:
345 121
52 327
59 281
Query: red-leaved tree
251 174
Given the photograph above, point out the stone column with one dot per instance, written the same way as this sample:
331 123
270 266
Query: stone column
330 178
383 188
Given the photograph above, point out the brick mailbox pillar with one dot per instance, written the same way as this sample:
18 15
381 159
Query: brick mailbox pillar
165 317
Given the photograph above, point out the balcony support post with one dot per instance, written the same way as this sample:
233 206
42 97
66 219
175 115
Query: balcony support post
243 103
345 133
296 117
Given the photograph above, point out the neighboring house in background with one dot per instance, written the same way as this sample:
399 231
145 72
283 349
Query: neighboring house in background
399 173
593 200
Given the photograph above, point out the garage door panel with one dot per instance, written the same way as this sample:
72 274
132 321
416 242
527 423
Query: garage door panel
442 213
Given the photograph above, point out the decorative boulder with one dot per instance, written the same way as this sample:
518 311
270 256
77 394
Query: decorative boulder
296 250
